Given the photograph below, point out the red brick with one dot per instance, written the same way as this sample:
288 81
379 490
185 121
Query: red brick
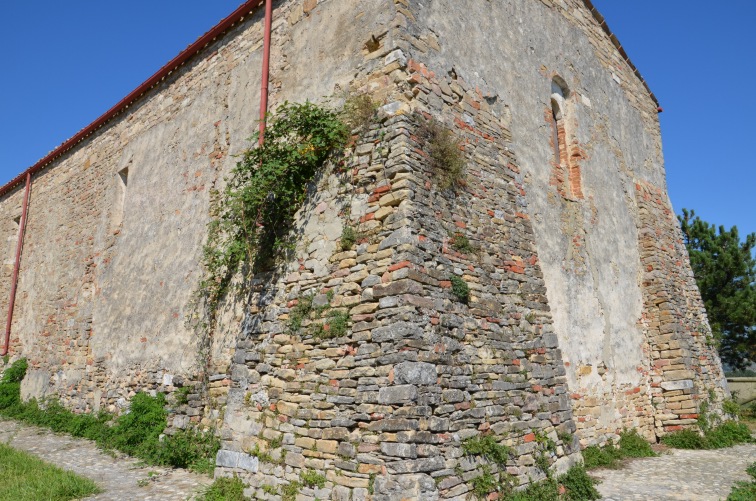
399 266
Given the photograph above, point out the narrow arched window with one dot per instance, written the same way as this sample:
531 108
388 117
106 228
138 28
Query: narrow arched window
558 132
569 168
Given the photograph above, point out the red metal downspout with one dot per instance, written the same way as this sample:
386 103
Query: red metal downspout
16 265
265 69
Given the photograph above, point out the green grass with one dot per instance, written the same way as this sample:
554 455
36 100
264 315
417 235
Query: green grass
745 491
27 478
631 445
224 489
136 433
578 486
726 434
488 448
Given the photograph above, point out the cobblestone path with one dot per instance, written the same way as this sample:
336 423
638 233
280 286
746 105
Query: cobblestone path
678 475
122 478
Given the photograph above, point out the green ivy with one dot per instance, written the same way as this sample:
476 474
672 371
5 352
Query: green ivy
253 216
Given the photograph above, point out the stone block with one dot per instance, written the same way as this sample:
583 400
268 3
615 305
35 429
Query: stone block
398 237
397 331
416 465
682 384
415 373
233 459
397 287
407 451
397 394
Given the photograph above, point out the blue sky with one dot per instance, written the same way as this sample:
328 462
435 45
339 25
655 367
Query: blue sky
67 62
699 58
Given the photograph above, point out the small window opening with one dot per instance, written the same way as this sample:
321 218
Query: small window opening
124 176
570 182
556 116
13 241
373 44
122 180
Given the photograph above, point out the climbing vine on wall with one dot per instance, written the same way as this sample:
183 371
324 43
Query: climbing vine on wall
253 216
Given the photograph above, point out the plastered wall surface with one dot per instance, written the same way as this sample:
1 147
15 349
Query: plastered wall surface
588 242
108 273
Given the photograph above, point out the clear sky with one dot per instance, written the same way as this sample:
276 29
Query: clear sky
65 63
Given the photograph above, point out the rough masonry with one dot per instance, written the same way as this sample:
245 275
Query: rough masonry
583 319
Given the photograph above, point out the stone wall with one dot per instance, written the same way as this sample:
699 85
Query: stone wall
387 404
583 317
584 210
109 267
685 367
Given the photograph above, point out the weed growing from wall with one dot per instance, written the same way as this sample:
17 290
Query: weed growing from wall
488 448
224 489
359 111
322 322
461 243
460 289
311 478
445 151
349 237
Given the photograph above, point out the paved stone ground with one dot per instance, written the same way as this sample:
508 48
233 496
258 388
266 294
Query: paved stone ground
121 477
678 475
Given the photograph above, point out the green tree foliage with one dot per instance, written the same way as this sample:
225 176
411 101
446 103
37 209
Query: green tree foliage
725 271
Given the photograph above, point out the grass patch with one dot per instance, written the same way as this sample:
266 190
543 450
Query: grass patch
461 243
460 289
488 448
631 445
726 434
745 491
27 478
359 111
224 489
136 432
349 237
578 486
445 152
